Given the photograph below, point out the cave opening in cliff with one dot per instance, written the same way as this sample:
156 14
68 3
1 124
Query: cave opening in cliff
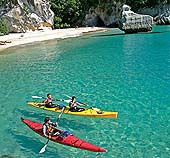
100 22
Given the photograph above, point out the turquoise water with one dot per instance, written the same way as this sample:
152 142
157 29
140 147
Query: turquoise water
129 74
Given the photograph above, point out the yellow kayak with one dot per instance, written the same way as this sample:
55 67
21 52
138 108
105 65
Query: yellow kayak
88 112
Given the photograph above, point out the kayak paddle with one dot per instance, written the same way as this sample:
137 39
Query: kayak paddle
38 97
67 96
62 111
44 147
77 101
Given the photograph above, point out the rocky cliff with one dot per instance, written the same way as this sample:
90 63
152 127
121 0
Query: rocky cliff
116 14
161 13
106 14
27 15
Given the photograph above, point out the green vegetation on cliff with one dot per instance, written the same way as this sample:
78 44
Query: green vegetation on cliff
136 4
71 13
2 2
3 28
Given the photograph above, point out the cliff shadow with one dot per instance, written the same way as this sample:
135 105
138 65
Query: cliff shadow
123 34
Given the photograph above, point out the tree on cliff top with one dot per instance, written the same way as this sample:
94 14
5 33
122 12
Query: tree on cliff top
3 28
2 2
136 4
70 13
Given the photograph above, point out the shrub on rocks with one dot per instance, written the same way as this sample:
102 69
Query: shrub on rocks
3 28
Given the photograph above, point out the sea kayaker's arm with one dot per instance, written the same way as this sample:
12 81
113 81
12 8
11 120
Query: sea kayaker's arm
54 124
45 101
45 130
80 104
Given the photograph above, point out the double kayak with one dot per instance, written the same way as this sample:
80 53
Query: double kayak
69 140
88 112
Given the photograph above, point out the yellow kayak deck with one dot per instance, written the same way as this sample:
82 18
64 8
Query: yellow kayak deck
88 112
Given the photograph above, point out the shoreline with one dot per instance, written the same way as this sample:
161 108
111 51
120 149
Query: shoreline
16 39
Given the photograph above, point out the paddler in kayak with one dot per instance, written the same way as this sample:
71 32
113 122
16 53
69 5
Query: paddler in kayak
73 105
49 103
50 129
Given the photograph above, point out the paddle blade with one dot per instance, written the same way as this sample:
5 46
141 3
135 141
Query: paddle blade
37 97
43 149
96 109
67 101
67 96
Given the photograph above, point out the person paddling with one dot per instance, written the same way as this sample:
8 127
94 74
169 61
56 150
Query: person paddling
73 105
50 129
49 102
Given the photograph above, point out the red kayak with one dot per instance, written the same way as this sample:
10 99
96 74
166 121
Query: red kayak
69 140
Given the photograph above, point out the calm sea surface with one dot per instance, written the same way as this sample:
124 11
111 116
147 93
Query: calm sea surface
129 74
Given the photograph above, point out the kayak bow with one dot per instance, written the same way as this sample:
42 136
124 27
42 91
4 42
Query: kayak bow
68 141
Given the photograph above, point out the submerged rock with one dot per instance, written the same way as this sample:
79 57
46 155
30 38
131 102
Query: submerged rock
27 15
131 22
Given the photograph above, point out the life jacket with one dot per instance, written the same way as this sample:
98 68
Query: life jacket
72 105
48 101
49 128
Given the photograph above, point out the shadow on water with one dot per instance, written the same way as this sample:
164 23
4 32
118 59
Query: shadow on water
7 156
33 115
32 144
75 125
123 34
63 122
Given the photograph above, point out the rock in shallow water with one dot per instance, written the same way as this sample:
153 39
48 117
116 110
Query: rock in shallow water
27 15
131 22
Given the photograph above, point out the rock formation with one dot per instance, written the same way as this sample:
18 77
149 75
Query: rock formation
27 15
131 22
106 14
161 13
116 14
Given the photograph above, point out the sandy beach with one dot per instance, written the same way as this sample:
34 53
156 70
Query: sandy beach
15 39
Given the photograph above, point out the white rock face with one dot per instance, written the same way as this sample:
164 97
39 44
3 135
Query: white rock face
116 14
131 22
27 15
